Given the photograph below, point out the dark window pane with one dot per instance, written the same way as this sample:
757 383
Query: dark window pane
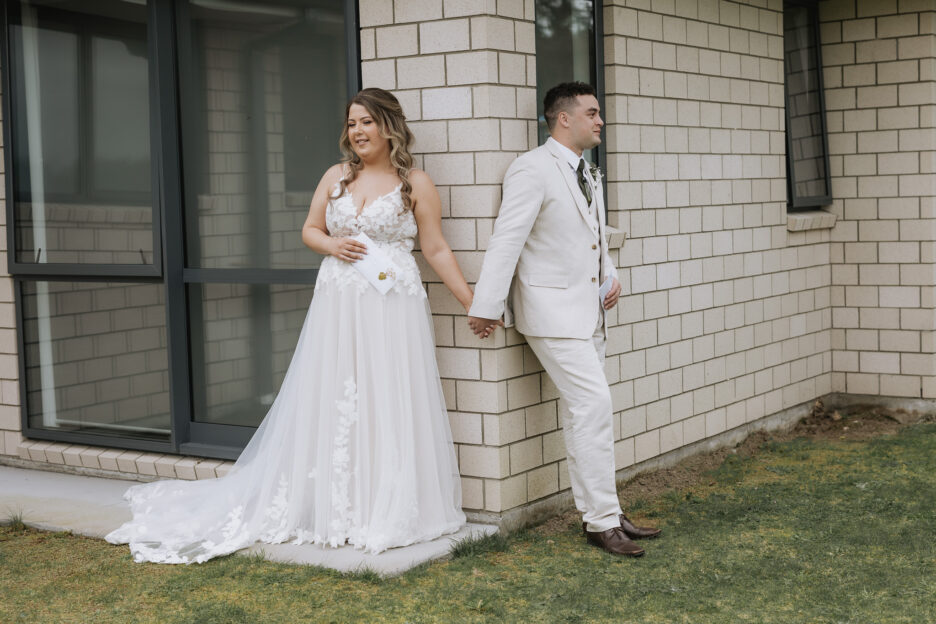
120 100
263 95
81 149
96 358
243 338
311 123
806 157
565 48
50 68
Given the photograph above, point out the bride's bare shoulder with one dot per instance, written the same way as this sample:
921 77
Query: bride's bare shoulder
332 176
335 172
419 178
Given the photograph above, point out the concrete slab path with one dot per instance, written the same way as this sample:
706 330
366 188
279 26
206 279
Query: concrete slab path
94 506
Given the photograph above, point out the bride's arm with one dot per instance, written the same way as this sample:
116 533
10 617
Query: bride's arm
315 233
427 208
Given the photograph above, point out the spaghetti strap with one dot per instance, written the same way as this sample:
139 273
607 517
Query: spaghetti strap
335 191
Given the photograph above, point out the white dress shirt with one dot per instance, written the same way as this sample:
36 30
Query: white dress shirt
573 159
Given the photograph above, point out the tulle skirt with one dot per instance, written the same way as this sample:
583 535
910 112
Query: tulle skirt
355 449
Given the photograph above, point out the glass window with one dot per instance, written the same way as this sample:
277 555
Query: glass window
95 358
121 101
263 99
80 135
243 338
565 49
311 122
174 343
807 144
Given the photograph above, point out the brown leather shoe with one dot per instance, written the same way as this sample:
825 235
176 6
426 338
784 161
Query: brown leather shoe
632 531
615 542
635 532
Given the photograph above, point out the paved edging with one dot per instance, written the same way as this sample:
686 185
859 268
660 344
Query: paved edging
94 506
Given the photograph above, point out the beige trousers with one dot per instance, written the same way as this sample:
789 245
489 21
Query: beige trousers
577 368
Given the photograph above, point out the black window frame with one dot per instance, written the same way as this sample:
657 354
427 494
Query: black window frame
168 267
61 269
794 201
599 82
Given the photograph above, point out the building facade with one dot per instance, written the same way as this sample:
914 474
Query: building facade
771 164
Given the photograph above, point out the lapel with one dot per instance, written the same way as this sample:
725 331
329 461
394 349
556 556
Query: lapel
571 181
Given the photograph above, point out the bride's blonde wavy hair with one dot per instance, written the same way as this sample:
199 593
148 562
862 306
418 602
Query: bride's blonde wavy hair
386 111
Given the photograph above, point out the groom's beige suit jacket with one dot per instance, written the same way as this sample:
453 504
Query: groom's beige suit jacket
547 257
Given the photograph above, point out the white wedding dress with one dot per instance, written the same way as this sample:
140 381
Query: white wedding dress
355 449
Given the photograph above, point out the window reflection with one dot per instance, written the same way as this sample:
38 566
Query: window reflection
81 148
261 94
263 102
565 48
96 358
805 116
243 338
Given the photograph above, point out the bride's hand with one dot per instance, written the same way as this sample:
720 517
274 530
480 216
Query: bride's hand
348 249
483 327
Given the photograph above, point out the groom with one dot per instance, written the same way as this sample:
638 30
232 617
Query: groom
548 261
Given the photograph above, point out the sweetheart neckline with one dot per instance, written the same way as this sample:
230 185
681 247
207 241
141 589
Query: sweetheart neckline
358 213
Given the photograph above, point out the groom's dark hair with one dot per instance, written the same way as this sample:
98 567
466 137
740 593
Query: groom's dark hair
562 98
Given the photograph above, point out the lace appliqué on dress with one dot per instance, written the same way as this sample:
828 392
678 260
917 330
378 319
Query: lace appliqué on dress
234 532
342 522
387 222
276 516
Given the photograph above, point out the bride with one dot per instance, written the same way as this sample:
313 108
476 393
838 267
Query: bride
356 448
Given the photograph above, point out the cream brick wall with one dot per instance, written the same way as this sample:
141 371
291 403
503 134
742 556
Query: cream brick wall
464 73
880 80
726 313
10 428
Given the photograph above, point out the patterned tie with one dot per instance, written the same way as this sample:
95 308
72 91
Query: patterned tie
583 182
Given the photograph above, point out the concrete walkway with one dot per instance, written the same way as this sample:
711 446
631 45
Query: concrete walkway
94 506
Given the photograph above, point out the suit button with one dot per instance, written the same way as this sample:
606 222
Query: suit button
594 246
594 279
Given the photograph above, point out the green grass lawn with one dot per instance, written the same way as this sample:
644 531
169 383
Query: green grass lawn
806 530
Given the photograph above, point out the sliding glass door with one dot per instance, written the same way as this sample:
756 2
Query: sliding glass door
162 157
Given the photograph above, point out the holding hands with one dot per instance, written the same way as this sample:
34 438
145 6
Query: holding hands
483 327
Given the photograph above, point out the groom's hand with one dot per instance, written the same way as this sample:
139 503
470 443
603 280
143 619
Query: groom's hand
611 298
483 327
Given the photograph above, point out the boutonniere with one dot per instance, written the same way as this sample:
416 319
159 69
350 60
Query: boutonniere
595 171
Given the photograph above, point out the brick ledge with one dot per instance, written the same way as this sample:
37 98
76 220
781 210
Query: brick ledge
810 220
615 237
118 462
